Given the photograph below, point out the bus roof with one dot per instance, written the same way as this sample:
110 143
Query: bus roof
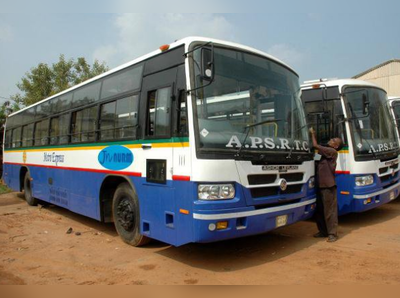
338 83
185 41
393 99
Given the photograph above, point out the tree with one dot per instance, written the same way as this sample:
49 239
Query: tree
44 81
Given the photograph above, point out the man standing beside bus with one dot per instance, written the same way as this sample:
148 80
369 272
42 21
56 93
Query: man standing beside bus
327 208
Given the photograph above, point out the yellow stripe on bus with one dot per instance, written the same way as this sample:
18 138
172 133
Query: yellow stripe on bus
341 151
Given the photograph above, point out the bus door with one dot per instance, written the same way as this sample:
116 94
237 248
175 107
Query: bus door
156 196
324 113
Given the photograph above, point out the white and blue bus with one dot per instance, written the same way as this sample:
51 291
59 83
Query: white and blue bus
356 111
394 106
199 141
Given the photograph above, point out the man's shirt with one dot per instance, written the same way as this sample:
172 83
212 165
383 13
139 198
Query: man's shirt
326 167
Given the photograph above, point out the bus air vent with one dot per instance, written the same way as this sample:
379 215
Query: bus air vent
294 177
261 179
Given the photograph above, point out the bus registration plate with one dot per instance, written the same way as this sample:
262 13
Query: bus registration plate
281 221
392 196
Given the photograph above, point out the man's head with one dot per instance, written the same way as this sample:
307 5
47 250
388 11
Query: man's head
336 143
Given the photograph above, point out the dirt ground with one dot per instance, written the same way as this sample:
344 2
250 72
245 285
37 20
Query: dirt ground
35 249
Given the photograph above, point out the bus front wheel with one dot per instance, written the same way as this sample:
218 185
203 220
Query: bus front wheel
126 215
28 191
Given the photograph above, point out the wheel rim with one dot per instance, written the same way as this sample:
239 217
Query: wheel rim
126 214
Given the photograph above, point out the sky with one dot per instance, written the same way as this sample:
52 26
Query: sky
319 39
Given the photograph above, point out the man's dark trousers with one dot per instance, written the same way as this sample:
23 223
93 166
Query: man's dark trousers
327 211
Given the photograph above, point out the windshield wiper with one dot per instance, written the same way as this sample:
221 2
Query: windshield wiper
238 153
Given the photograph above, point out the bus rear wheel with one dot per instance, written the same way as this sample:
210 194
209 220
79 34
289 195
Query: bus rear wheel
126 216
28 191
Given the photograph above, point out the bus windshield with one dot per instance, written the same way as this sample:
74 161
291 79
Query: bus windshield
396 111
373 130
253 103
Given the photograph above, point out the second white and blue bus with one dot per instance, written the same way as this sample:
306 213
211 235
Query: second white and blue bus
368 166
394 106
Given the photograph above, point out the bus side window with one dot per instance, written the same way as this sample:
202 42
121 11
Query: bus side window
54 130
41 133
7 142
84 125
182 115
63 136
127 117
16 137
27 135
159 113
59 130
119 119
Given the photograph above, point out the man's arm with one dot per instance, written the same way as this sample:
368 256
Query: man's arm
314 138
328 152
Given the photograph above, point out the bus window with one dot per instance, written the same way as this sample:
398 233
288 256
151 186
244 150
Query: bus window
16 137
118 119
122 82
64 129
84 125
41 133
158 113
59 130
86 95
126 117
54 130
7 142
64 103
326 116
27 135
107 121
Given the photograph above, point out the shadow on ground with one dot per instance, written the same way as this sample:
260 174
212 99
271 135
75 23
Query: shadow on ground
254 251
351 222
238 254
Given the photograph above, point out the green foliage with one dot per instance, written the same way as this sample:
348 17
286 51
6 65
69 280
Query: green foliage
4 189
6 109
44 81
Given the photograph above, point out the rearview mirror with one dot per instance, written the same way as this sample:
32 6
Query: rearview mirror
365 100
207 64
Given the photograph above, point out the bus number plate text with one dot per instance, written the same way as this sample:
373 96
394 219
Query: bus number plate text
281 221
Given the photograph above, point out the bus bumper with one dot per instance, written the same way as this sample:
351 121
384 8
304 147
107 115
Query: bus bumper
236 223
371 200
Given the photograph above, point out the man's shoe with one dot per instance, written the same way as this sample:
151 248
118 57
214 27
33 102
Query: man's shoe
332 238
320 235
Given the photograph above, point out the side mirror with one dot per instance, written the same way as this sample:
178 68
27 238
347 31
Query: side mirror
365 100
207 64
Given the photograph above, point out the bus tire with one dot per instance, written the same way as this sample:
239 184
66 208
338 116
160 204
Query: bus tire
28 191
126 214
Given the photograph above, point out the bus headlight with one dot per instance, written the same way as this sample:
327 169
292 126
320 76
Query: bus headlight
216 192
311 183
364 180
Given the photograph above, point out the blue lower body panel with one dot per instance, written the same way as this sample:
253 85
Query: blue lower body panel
247 222
169 212
352 199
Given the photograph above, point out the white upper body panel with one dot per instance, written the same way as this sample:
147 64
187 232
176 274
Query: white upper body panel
337 83
185 41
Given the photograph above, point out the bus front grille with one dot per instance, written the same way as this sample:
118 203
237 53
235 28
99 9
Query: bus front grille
261 179
275 191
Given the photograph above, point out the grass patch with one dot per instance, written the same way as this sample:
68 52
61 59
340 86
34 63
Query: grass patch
4 189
